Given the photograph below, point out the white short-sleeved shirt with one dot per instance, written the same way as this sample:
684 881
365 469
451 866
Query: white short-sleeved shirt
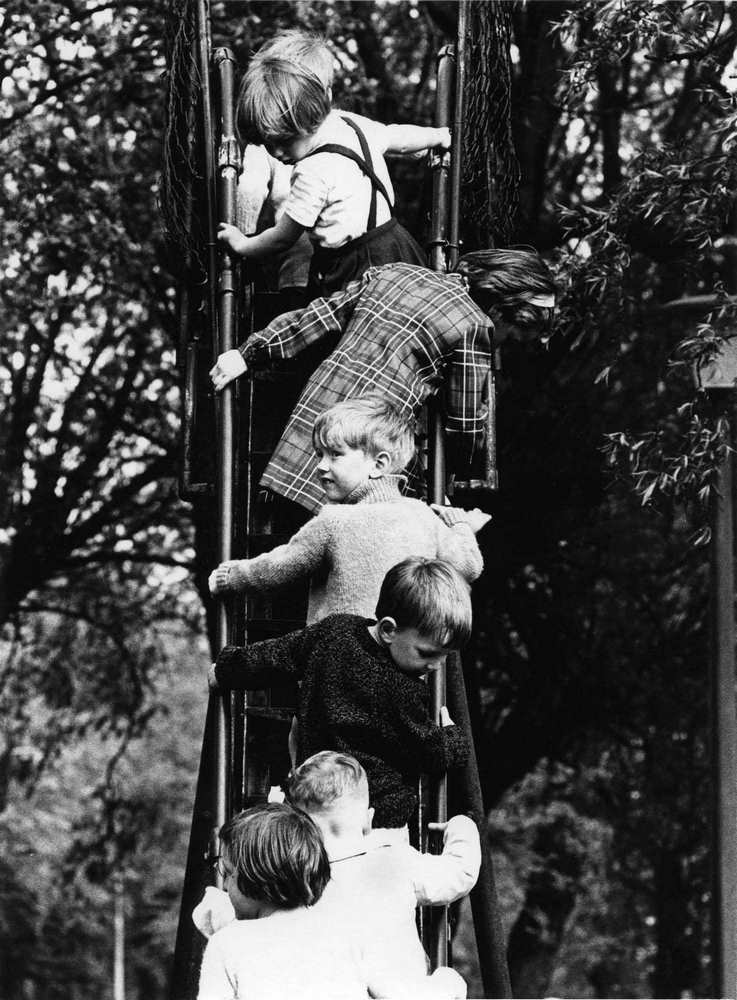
330 194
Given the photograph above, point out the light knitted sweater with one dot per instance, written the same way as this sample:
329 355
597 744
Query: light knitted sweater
347 549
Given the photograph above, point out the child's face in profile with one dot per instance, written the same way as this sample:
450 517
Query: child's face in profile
415 653
341 469
290 149
245 907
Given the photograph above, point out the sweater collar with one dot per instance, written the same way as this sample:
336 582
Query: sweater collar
377 490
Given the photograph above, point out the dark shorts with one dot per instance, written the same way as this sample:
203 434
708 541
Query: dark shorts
390 243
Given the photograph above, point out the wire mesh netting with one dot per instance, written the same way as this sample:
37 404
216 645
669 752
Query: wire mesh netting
490 169
489 193
181 172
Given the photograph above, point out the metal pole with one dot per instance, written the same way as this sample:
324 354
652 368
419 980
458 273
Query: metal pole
457 148
490 940
438 928
440 164
211 797
119 937
435 926
224 340
228 167
722 688
724 729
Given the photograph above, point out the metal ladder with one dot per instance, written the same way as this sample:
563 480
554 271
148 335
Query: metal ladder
245 737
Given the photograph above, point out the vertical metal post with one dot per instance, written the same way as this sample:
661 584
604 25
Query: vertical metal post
224 340
438 929
228 167
484 903
435 920
724 727
440 164
457 148
722 688
118 937
211 797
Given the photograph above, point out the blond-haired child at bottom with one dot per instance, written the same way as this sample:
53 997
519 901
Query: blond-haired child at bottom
374 888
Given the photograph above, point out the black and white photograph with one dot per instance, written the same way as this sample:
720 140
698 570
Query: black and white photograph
368 415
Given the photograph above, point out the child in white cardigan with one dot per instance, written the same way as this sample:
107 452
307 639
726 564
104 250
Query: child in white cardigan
388 880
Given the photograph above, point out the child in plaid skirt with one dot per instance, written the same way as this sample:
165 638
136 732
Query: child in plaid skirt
408 333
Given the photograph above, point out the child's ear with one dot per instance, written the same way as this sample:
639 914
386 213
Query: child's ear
382 465
369 822
387 629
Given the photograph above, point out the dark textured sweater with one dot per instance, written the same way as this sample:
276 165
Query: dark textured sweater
354 699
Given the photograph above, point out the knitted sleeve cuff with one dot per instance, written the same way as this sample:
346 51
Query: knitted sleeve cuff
228 667
456 746
455 515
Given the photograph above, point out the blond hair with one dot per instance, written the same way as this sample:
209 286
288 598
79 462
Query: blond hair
280 100
429 595
370 423
324 778
303 48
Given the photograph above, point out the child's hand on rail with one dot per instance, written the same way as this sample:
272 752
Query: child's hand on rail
228 367
233 238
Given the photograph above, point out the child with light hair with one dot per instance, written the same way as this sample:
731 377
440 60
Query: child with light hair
333 789
366 526
264 181
284 942
362 691
340 191
374 886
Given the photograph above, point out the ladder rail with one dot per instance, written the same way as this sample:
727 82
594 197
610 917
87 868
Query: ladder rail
434 924
211 797
449 684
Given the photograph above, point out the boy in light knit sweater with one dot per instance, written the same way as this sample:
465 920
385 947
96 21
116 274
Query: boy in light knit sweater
366 526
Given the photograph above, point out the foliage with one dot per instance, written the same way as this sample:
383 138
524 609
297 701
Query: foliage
662 233
89 432
110 804
592 649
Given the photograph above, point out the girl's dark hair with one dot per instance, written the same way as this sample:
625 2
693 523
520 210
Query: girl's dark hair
507 277
277 855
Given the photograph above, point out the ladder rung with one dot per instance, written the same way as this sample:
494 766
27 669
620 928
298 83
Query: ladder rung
289 624
267 536
269 712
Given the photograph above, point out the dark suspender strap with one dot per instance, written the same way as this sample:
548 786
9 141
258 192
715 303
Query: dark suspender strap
370 164
366 168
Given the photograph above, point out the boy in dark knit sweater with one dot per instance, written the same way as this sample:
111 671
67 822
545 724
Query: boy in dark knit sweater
361 689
